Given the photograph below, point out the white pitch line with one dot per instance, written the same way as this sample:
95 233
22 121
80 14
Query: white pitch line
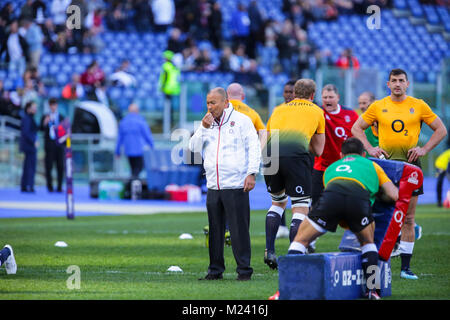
100 207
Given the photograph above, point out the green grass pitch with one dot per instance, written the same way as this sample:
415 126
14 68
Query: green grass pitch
127 257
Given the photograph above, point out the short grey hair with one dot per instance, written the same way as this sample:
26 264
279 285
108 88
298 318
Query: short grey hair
220 91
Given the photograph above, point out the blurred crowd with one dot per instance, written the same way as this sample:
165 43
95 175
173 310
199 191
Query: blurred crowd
197 35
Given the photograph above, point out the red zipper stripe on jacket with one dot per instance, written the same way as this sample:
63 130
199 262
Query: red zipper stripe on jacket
217 153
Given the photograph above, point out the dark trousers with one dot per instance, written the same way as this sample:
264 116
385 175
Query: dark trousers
233 206
136 165
29 171
54 154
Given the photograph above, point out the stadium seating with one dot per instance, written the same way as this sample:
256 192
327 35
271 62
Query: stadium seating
374 48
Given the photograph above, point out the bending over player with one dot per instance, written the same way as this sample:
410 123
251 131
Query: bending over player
351 184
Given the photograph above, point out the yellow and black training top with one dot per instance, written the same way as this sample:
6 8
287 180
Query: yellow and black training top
249 112
296 122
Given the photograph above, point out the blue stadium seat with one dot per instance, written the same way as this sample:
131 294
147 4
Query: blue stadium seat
400 4
416 8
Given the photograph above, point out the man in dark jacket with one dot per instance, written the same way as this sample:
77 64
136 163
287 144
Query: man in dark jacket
54 152
28 135
16 48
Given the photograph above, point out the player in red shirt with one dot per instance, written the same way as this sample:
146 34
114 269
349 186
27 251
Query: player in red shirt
338 127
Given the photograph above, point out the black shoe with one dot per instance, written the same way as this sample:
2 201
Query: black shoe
270 259
50 189
59 190
210 276
243 277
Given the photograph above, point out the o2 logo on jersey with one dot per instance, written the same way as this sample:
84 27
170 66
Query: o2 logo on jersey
344 168
340 132
399 126
299 190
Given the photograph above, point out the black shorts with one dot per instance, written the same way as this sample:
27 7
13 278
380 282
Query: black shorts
347 202
317 185
293 176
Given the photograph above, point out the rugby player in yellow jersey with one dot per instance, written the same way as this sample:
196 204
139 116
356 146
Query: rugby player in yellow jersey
400 118
300 128
288 96
236 97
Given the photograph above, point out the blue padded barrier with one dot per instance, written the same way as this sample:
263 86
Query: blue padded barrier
329 276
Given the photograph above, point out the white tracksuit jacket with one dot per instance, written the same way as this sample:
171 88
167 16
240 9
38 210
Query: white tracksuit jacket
231 150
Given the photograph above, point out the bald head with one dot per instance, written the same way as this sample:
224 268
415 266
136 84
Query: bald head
235 91
133 108
365 100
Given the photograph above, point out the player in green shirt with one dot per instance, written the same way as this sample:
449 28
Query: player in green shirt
351 185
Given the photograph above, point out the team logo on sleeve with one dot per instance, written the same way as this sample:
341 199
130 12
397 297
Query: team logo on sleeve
411 110
347 119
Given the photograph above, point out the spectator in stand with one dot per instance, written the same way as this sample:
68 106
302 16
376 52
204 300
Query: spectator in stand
305 51
97 21
35 39
163 14
188 58
60 45
240 26
256 26
122 76
287 45
27 11
143 18
73 90
116 17
7 13
239 61
347 60
203 63
202 32
93 75
215 25
225 60
29 93
16 48
296 16
331 11
345 6
49 33
175 44
91 42
58 13
250 77
39 10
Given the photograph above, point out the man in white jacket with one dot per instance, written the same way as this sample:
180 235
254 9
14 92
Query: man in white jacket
231 151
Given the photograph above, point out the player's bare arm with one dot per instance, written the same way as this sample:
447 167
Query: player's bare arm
317 144
358 132
389 192
440 132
